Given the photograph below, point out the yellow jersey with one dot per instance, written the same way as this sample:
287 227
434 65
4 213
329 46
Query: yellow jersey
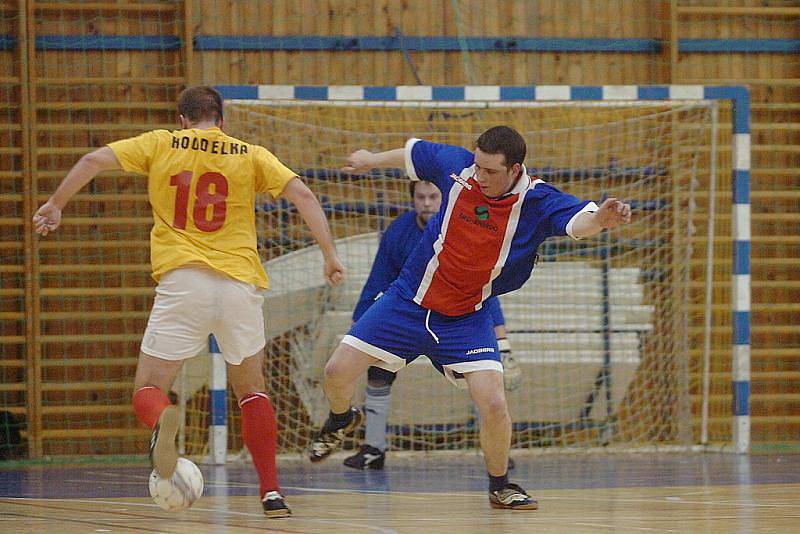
202 186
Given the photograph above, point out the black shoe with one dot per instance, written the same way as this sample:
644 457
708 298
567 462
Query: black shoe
367 457
274 505
512 497
511 464
163 452
329 439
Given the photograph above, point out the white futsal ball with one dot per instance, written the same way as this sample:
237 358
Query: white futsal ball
179 492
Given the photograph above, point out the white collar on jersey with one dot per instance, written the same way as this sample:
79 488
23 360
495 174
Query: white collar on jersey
524 183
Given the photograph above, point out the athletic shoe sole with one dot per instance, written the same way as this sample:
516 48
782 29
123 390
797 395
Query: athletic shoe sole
164 452
500 506
277 514
280 509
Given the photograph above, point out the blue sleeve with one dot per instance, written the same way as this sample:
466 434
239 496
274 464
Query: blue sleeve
385 269
558 209
434 162
493 305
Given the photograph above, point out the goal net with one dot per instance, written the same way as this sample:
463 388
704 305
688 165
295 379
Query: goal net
603 329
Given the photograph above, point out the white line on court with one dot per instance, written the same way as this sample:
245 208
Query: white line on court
681 502
210 510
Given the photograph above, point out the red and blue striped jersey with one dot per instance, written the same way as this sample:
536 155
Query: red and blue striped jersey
477 247
397 243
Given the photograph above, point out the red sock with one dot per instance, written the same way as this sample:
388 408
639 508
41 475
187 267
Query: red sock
260 434
148 403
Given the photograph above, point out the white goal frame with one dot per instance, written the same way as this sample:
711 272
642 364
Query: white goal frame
455 96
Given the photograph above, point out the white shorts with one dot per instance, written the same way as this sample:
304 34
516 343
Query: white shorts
193 302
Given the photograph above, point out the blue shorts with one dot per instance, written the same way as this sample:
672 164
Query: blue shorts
396 331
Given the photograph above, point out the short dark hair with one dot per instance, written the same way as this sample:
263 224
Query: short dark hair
200 103
412 186
506 141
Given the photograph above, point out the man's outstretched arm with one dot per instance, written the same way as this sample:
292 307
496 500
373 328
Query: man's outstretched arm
363 161
48 216
612 213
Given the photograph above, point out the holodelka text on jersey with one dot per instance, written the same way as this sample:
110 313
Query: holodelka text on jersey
204 145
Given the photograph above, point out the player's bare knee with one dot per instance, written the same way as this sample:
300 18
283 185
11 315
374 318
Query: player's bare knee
242 388
155 372
494 408
246 379
330 369
247 376
334 370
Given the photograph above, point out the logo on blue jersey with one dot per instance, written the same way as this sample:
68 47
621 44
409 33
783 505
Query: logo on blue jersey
480 218
462 181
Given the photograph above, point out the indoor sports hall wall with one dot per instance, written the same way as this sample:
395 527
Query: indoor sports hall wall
75 75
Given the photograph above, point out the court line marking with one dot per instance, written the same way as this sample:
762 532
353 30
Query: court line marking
96 523
247 485
663 500
207 483
210 510
613 527
386 492
23 517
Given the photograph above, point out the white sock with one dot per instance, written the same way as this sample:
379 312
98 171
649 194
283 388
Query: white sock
376 409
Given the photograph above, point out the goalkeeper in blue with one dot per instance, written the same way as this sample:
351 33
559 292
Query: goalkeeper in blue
480 244
397 242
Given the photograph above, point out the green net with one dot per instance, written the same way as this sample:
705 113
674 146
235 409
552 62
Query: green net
657 156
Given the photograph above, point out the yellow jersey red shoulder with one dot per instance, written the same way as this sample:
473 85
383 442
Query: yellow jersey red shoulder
202 187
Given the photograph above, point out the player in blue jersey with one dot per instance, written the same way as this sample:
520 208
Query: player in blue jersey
397 242
482 243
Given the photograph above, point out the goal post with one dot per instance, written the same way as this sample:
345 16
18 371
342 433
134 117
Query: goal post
613 357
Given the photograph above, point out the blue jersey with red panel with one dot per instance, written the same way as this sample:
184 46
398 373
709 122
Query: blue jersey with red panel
397 243
477 247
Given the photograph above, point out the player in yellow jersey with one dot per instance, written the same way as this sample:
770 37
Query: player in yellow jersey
202 186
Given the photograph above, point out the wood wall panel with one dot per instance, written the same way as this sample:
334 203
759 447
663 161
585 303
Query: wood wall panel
426 18
97 265
15 296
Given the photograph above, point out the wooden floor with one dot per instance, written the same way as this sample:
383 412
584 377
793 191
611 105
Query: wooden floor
767 508
610 493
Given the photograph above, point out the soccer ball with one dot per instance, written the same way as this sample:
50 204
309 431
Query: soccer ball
179 492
